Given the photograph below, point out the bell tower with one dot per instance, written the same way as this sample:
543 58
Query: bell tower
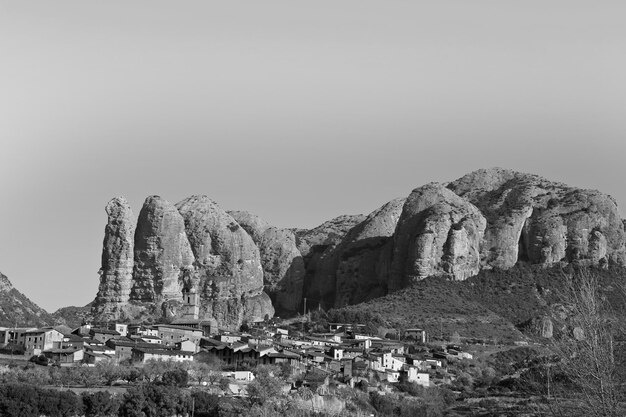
191 304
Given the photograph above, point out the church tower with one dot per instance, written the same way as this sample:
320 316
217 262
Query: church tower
191 304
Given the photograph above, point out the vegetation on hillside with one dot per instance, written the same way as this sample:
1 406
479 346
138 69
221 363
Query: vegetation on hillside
493 305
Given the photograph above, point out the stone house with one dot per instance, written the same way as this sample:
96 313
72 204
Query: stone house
171 334
36 341
103 335
65 357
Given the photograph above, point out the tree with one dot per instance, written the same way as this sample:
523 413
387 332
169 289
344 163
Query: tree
199 372
586 349
265 387
109 371
176 377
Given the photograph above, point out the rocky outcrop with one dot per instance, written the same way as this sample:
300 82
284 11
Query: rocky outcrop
116 273
317 247
163 256
492 218
542 222
363 257
438 233
283 266
228 272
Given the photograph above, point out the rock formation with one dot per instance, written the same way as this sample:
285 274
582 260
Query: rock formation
535 220
116 273
363 257
492 218
438 233
228 274
283 266
162 253
317 247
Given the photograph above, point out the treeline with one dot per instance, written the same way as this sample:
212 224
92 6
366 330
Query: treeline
109 373
150 400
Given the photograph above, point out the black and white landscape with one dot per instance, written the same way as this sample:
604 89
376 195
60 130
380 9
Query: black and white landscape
278 208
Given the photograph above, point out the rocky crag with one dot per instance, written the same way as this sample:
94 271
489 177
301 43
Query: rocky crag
282 263
191 246
488 219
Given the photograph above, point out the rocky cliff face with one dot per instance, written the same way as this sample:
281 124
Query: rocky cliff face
364 254
195 245
162 253
438 233
228 272
538 221
492 218
116 274
317 247
283 266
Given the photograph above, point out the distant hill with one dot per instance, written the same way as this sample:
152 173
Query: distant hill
72 316
17 309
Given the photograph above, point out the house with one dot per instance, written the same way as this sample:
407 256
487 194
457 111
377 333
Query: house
36 341
416 334
123 348
239 375
413 374
64 357
229 337
390 362
207 327
318 341
144 354
72 341
348 327
235 354
374 361
155 340
170 334
103 335
277 358
14 335
142 330
91 358
187 345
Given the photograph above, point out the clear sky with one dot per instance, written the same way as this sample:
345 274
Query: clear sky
296 111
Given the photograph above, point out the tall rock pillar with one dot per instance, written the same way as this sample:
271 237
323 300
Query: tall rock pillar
116 273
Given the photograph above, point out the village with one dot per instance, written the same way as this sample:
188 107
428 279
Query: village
344 353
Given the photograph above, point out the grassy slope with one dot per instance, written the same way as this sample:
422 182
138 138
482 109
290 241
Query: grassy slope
489 305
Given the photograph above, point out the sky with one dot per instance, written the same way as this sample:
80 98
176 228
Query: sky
295 111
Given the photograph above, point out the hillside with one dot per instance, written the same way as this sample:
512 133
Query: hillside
494 304
72 316
17 309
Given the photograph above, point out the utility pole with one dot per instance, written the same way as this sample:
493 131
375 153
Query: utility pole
305 306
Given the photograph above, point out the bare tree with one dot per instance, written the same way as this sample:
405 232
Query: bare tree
586 347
